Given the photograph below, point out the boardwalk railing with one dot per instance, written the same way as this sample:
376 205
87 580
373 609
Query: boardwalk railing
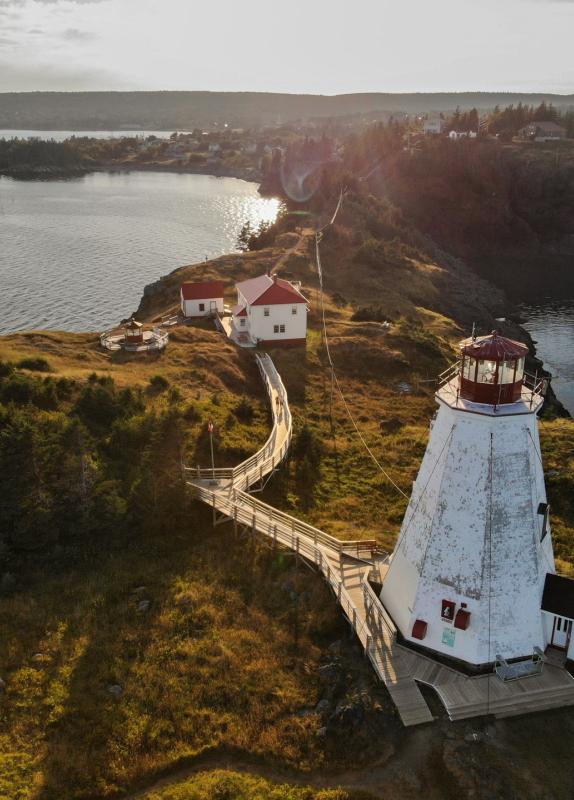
373 604
114 340
325 552
268 457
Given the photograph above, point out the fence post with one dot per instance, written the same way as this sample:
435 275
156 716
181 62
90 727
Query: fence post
354 617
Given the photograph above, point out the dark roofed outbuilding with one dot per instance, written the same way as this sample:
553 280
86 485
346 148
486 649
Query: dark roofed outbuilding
558 597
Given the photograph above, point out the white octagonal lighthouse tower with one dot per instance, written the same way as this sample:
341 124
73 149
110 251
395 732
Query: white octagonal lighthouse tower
467 575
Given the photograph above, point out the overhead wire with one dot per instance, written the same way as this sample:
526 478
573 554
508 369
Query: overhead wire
334 379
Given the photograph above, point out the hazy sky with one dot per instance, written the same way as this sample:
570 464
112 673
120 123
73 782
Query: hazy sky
290 46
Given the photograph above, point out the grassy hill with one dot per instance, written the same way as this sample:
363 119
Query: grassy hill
142 650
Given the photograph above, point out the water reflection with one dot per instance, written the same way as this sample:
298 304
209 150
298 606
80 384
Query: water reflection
551 325
75 255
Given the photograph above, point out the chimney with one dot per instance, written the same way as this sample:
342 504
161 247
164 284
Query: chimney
275 278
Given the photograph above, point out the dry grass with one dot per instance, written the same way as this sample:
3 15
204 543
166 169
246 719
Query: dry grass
223 656
225 784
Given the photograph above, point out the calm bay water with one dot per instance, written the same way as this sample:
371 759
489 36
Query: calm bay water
551 325
75 255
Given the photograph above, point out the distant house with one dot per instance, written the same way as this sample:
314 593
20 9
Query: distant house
433 126
270 311
214 147
542 131
201 299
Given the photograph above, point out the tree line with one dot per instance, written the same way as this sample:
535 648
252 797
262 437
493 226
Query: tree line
83 463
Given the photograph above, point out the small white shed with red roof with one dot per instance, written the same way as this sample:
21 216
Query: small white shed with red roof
271 311
201 299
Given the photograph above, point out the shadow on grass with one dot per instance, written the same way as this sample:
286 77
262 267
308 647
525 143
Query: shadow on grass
220 658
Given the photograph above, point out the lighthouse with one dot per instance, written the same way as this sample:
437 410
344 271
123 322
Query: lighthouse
467 575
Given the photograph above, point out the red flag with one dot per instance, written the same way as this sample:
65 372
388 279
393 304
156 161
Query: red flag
210 427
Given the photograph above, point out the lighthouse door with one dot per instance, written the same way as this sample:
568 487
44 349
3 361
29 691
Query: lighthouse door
562 632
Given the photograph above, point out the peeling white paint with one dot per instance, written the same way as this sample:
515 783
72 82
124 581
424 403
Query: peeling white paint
471 534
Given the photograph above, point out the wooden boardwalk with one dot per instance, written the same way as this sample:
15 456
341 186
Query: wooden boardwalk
346 566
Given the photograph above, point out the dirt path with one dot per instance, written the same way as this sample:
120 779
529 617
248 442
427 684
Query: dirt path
399 771
359 780
297 248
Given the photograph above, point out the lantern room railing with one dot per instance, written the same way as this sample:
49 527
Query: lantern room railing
532 385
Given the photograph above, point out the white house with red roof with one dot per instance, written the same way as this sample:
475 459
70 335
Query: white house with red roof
201 299
270 311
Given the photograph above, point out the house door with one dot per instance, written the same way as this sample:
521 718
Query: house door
213 305
562 632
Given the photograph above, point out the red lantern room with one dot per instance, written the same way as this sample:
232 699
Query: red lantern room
492 369
133 332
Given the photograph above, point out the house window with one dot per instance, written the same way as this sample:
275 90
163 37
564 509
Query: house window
202 306
276 329
281 328
242 322
265 312
293 310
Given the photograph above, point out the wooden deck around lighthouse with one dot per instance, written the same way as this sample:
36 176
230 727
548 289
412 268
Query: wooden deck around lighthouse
346 566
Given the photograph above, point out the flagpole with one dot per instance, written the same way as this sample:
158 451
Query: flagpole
210 429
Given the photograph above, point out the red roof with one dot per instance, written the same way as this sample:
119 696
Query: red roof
238 311
266 290
202 291
493 347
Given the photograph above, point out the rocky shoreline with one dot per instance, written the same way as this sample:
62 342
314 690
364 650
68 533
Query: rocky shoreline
245 174
25 172
44 173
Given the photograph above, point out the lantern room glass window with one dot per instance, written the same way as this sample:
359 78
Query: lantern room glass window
506 371
468 368
486 372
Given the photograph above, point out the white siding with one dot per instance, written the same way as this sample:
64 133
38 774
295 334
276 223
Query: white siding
263 327
192 308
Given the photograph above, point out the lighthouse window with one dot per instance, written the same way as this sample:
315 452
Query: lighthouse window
486 372
519 369
506 372
447 610
469 368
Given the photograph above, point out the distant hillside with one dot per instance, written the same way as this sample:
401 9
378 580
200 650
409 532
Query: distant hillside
167 110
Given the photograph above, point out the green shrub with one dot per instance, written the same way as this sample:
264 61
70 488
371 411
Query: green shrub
374 313
244 410
158 383
5 369
35 364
